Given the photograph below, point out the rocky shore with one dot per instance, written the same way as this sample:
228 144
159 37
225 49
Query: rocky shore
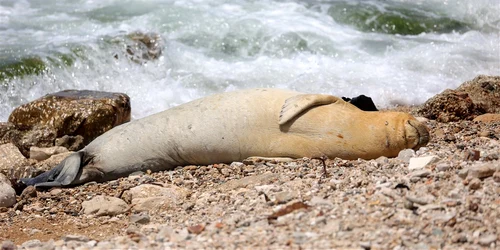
443 196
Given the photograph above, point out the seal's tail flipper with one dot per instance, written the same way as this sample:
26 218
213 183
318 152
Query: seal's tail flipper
61 175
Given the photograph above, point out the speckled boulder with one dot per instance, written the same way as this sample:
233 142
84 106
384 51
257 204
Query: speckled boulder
8 133
472 98
449 106
484 91
74 112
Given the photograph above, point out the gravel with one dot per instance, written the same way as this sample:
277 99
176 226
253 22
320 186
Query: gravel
448 202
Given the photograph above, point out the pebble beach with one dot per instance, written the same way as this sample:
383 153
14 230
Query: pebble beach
443 196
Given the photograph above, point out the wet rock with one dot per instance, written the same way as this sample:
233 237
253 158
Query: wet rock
7 193
72 143
11 160
104 205
74 112
488 118
41 154
422 162
143 47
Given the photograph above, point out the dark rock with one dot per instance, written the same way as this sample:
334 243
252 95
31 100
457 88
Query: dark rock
72 143
484 92
141 47
73 112
471 99
9 133
38 136
449 106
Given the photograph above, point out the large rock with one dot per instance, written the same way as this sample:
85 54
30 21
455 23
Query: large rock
152 198
449 106
478 96
7 193
11 160
9 133
488 118
74 112
484 91
39 136
41 154
104 205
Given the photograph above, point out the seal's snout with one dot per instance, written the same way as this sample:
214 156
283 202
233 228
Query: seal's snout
417 134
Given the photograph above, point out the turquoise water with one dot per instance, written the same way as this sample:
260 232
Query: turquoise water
397 52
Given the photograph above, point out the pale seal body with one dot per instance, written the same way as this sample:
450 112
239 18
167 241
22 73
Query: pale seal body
232 126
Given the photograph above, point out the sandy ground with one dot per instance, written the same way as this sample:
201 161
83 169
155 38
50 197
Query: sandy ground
377 204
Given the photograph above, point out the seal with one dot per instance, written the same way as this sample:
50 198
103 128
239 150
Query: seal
233 126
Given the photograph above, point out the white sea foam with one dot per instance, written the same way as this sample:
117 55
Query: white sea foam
215 46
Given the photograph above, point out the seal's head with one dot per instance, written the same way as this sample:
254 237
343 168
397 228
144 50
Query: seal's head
416 134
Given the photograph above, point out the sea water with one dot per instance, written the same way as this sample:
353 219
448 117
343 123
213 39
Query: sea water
397 52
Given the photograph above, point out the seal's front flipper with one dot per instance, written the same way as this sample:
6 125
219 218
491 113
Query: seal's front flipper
61 175
297 104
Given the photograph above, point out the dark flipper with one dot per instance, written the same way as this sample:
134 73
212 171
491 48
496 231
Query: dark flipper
363 102
61 175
